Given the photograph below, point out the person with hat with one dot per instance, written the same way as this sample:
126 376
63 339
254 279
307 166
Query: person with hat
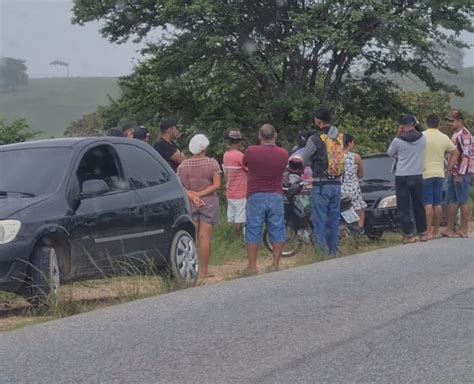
142 134
201 177
166 146
459 179
408 148
236 181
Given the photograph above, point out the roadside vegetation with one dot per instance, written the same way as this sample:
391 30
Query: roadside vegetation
228 261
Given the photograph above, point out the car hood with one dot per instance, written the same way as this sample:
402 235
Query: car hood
10 205
374 191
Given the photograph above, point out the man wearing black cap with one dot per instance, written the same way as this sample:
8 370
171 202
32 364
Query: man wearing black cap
409 150
324 153
166 146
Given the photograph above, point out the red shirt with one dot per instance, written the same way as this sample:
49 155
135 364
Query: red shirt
236 175
266 164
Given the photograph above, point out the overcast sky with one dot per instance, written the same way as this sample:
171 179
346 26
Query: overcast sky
40 31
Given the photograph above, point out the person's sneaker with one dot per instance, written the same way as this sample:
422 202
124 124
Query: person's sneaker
423 237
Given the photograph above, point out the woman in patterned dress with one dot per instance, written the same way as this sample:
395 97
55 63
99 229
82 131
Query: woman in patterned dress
201 177
353 171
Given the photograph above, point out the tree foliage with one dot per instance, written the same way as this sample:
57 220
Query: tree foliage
237 63
88 125
16 132
12 73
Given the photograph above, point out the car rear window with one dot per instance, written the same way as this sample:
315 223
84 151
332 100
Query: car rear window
378 169
34 171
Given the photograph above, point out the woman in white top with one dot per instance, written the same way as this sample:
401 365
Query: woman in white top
353 171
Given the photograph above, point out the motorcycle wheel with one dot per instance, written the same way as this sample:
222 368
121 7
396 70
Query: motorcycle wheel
374 234
292 244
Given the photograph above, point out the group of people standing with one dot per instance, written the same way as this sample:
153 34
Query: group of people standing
254 181
420 173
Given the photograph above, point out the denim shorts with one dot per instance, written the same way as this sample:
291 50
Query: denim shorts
433 191
265 208
458 193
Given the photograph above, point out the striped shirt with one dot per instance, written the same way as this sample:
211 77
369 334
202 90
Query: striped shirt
236 175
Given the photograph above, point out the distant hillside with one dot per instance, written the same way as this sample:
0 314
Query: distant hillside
49 105
464 80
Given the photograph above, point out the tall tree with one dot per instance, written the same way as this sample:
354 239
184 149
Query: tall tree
61 64
243 61
12 73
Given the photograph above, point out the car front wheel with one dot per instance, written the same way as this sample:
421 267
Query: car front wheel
44 276
184 260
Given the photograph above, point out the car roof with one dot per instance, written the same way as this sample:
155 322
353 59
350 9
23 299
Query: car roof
68 142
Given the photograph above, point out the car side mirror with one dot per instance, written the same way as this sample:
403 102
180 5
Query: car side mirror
92 188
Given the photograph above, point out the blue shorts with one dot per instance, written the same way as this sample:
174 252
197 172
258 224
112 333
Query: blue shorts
433 191
458 193
265 208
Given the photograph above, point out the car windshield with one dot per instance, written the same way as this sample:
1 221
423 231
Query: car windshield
378 169
28 172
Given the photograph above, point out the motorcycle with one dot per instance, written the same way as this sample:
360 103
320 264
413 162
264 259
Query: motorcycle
298 223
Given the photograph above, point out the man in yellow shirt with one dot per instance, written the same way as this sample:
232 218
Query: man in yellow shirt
437 146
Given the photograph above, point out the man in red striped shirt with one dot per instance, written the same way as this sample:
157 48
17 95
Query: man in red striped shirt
236 181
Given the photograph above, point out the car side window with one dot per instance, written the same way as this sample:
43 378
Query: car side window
141 168
101 163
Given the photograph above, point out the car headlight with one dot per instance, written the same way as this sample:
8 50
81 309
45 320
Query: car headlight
8 230
388 202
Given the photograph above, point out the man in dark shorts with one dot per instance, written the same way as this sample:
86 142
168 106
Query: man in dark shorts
266 163
166 146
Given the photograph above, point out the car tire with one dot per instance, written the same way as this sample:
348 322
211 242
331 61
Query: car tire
44 276
292 244
374 234
184 260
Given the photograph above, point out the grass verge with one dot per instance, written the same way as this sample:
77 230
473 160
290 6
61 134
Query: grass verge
228 262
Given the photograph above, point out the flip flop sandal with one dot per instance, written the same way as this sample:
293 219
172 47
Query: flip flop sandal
450 235
410 240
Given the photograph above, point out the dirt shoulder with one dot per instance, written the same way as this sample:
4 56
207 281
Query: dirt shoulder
89 295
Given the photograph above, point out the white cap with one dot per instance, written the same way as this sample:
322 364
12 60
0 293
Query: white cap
198 144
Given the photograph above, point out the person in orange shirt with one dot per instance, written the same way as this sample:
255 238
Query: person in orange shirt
236 181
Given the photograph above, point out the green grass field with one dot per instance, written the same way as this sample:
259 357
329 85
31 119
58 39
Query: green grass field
50 105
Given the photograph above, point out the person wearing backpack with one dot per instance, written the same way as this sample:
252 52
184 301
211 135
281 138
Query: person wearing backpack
324 153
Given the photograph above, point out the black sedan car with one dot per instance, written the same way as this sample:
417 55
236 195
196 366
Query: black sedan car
77 208
378 191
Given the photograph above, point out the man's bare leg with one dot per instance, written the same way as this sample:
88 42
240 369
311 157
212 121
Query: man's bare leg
437 213
277 251
252 257
465 213
452 210
237 230
429 221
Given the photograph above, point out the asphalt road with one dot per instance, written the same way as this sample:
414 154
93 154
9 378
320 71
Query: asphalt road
399 315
